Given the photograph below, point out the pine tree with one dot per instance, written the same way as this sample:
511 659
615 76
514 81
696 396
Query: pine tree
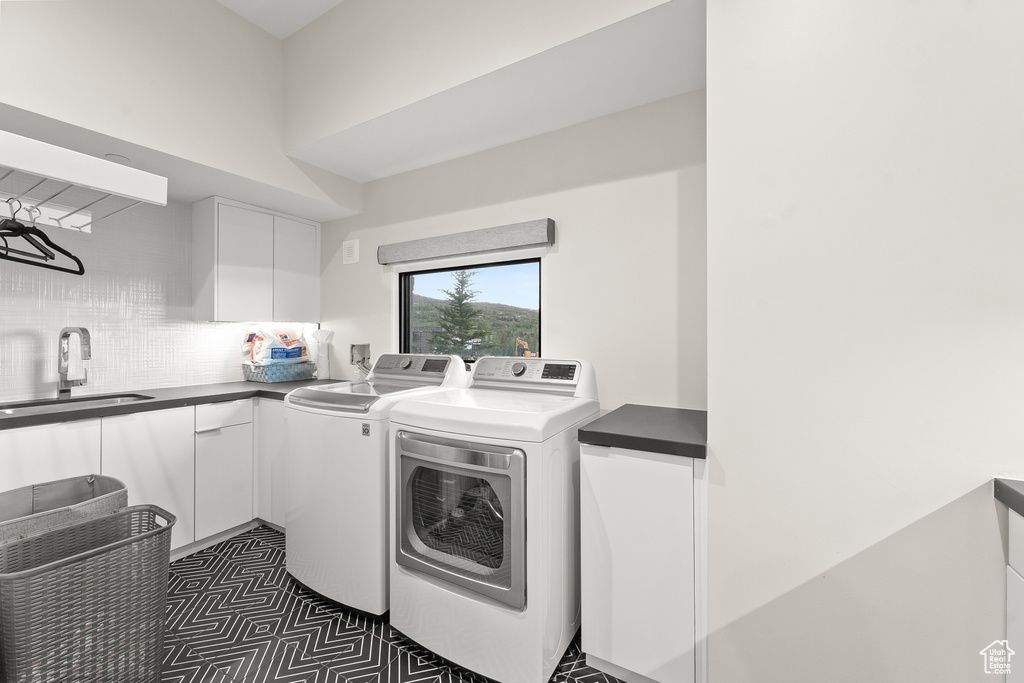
458 318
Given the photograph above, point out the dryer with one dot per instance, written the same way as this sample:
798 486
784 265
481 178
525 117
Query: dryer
484 510
337 475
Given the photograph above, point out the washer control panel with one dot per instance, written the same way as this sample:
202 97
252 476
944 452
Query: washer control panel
401 364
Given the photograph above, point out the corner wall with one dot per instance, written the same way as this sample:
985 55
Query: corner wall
623 286
865 335
188 78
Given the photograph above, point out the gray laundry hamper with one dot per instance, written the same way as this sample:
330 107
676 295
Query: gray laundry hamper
35 508
85 600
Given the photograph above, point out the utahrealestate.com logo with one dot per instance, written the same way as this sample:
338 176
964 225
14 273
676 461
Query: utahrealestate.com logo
997 657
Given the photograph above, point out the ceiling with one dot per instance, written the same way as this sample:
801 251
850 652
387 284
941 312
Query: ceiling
280 18
648 57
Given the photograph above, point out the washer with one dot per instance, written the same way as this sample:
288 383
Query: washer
337 476
484 509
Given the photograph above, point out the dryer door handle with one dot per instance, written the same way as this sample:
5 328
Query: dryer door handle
462 452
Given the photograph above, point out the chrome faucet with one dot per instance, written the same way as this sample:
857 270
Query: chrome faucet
64 388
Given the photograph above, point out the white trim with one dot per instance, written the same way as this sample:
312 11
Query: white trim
700 570
619 672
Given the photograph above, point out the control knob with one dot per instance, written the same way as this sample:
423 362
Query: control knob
518 368
405 363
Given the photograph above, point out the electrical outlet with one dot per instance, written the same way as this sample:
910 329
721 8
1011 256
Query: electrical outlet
360 353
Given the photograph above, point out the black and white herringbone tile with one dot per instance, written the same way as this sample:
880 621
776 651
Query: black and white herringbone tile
235 615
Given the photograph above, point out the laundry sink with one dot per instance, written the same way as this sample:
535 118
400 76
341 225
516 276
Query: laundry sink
50 405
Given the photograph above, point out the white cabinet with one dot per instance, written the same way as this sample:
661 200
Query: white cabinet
1015 622
32 455
153 454
296 271
1015 598
224 470
253 264
270 453
637 563
244 265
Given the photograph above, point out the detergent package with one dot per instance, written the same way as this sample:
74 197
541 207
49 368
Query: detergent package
272 347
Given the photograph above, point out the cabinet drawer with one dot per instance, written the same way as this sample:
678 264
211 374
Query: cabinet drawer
211 416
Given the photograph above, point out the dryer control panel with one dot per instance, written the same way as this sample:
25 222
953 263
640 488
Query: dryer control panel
570 377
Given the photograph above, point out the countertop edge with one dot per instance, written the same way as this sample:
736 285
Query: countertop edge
164 399
652 429
635 443
1010 492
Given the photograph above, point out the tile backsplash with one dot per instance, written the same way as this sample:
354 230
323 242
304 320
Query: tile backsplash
135 300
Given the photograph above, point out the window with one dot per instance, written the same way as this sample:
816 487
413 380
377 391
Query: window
485 310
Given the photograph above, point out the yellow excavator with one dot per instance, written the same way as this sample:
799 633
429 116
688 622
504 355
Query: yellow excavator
525 349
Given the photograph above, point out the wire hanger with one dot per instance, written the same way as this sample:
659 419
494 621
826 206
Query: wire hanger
43 252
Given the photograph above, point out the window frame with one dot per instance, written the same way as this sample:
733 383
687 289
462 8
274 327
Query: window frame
404 292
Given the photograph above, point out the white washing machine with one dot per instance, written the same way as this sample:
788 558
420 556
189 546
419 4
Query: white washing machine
484 510
337 476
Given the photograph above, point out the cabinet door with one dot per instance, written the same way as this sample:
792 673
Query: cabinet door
269 450
153 454
296 271
637 572
1014 621
32 455
223 479
245 264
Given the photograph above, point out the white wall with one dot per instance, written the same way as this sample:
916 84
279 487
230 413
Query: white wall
623 286
865 335
366 58
187 78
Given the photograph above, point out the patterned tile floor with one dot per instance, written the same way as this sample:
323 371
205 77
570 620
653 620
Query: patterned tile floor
234 614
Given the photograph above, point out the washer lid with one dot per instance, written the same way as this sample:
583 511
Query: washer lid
350 401
355 397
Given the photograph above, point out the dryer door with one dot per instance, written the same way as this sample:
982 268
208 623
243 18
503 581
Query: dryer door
461 514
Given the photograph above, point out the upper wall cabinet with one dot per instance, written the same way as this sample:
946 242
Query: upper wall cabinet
253 264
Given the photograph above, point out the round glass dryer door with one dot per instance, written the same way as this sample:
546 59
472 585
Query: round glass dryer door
461 514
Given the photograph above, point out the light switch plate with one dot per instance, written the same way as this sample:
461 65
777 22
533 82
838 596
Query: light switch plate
350 251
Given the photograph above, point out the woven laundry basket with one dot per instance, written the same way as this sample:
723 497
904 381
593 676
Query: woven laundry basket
35 508
86 601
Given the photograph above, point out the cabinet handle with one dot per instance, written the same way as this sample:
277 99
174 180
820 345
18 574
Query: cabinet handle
207 431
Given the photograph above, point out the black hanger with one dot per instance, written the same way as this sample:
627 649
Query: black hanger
12 228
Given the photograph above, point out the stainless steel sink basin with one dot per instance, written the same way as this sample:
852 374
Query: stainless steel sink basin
49 405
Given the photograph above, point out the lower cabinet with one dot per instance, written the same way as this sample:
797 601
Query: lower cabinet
224 472
1015 621
270 456
637 563
32 455
153 454
1015 600
196 462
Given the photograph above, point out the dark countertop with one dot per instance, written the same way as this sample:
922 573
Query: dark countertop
173 397
675 431
1011 493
